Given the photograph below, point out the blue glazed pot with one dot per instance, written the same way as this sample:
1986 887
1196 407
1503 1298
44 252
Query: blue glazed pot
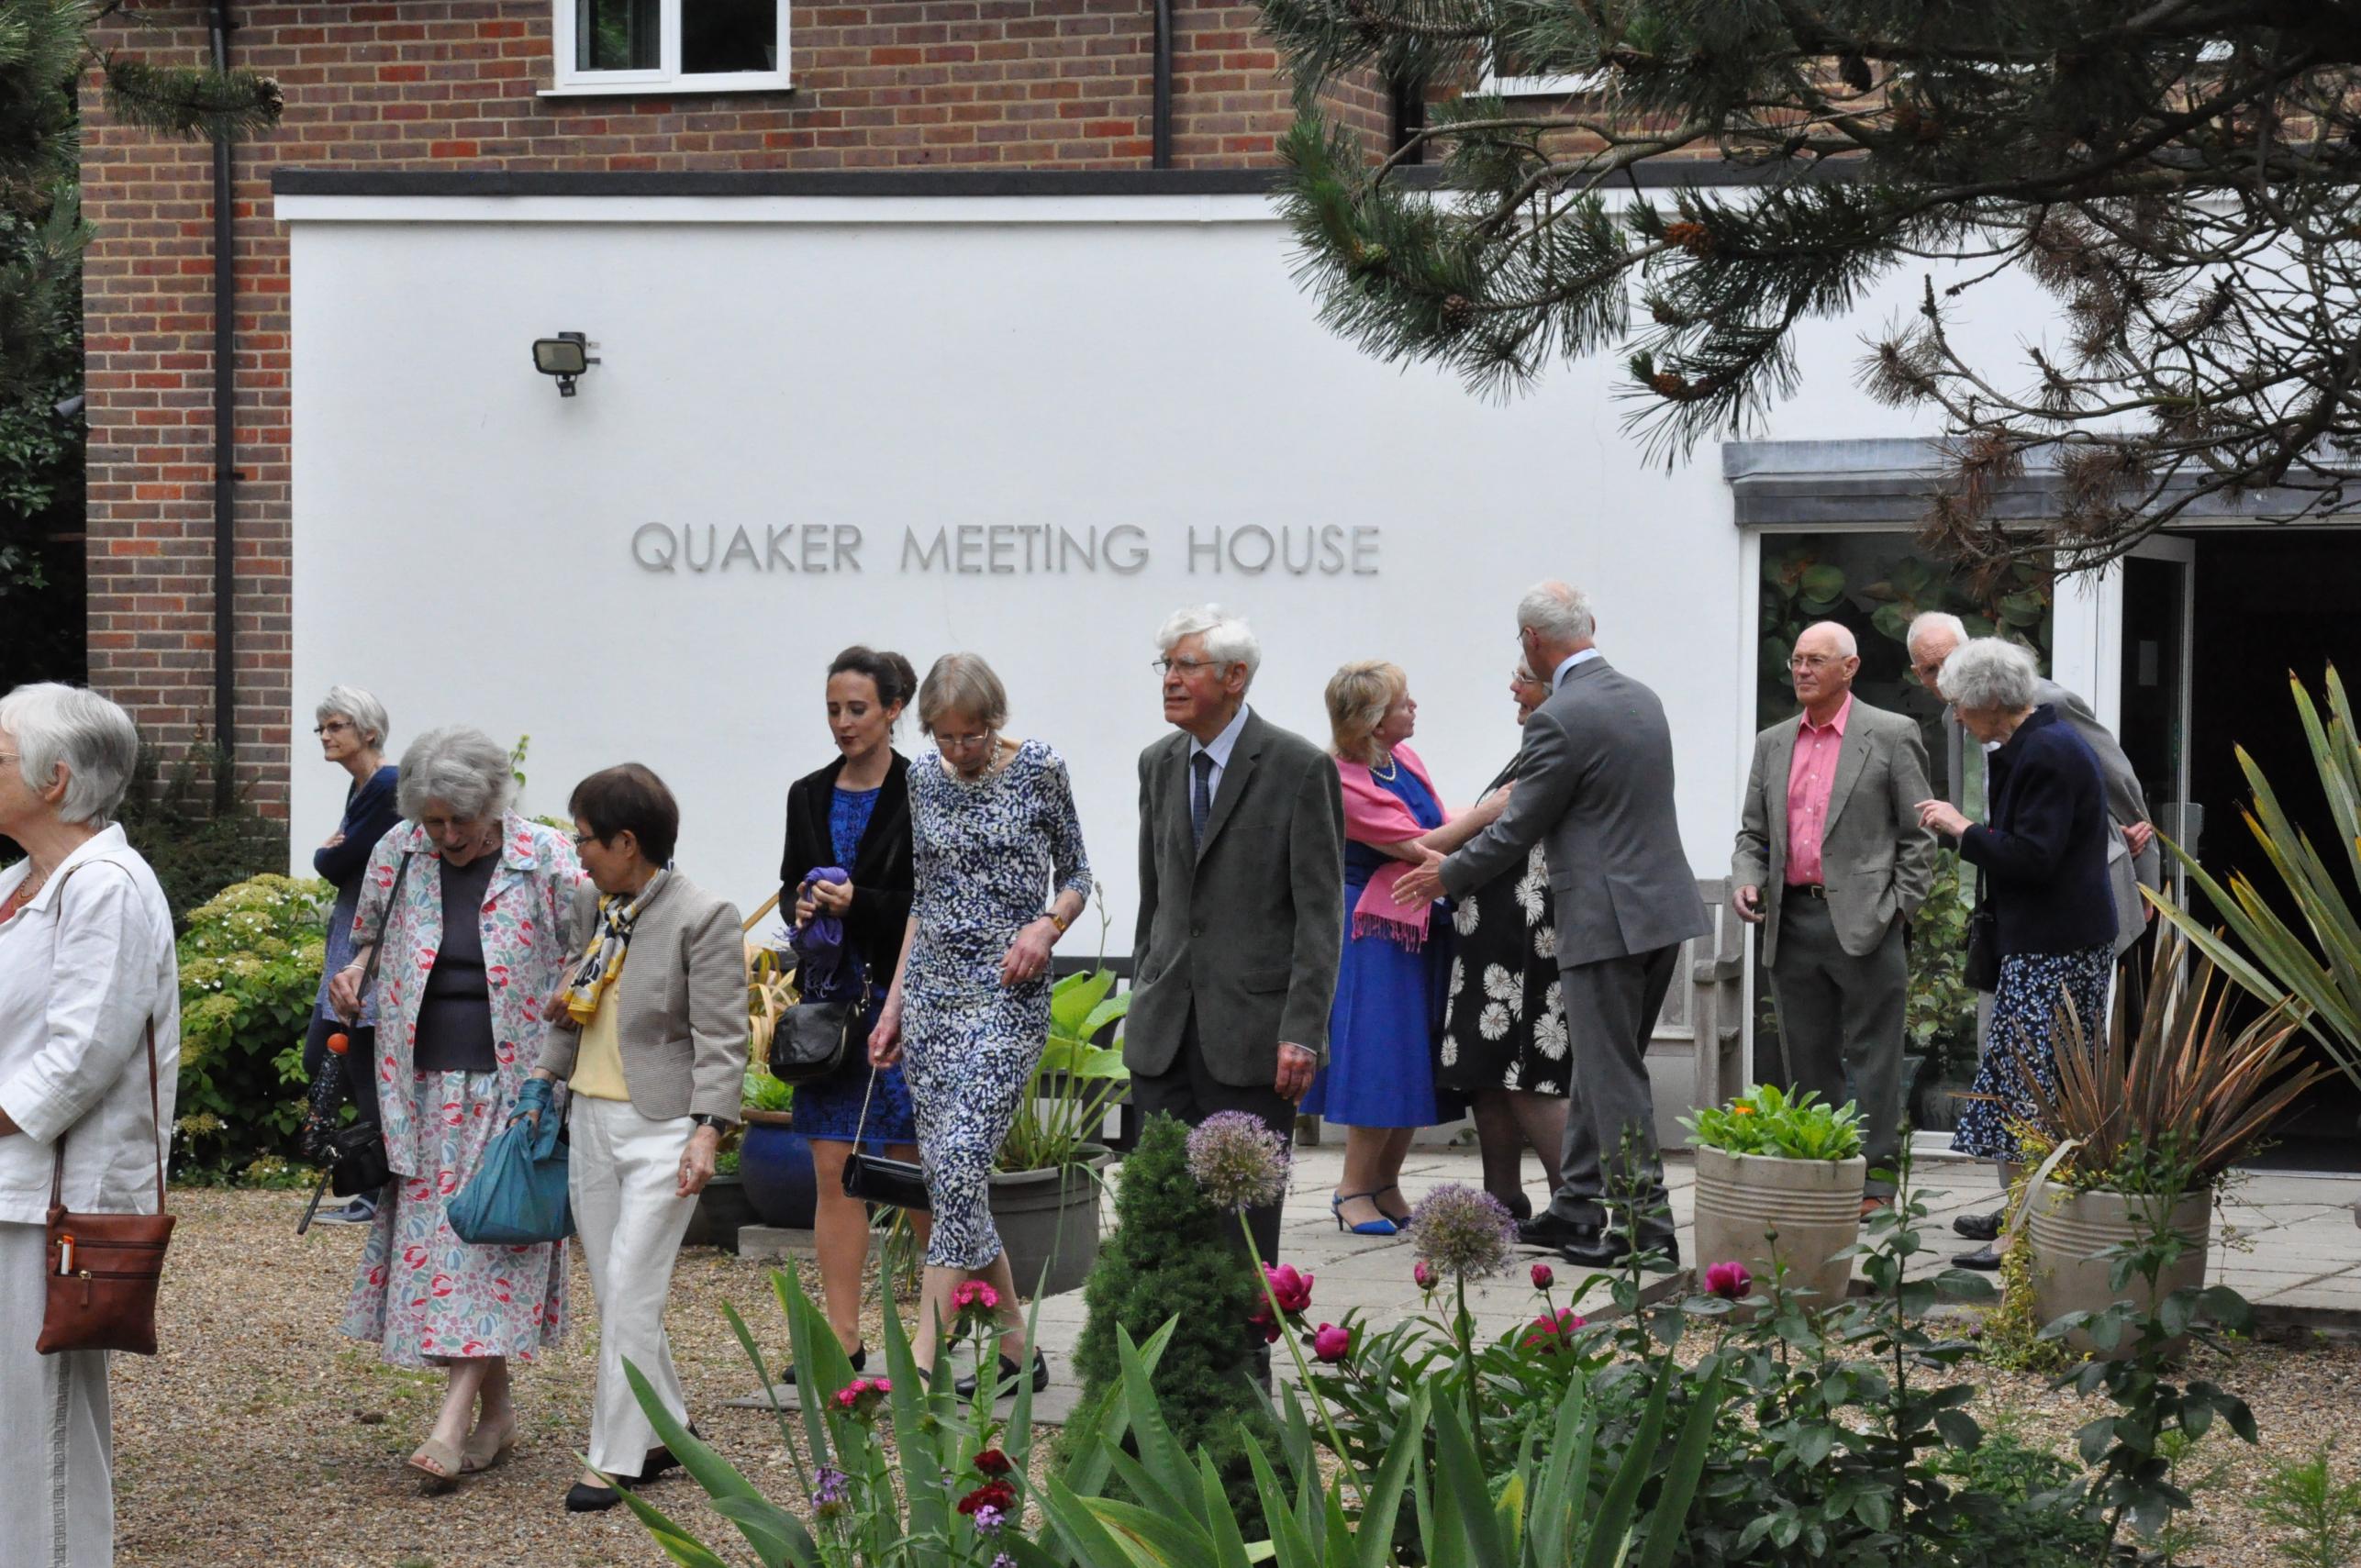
774 1164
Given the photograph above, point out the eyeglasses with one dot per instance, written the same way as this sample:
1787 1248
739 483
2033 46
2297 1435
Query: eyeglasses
333 727
582 841
961 742
1190 666
1812 660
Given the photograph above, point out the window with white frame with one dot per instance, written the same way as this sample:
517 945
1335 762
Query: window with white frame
703 46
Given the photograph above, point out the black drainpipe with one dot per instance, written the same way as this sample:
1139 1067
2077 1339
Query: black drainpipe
1162 126
225 439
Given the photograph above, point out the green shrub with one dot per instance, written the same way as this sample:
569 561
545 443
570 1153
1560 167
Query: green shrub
195 842
1768 1122
1175 1256
249 969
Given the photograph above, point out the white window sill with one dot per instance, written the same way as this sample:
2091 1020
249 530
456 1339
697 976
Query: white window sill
1544 86
677 87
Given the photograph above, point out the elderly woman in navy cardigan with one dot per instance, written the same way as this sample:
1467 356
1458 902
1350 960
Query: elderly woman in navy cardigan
2042 857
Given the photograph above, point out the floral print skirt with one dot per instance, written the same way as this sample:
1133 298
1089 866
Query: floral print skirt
2022 1038
425 1296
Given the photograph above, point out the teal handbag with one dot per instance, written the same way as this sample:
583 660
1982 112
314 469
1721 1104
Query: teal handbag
519 1196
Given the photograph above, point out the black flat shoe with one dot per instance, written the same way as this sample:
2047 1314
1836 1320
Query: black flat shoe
1984 1260
1980 1227
1519 1207
659 1459
860 1359
1612 1249
1547 1231
1010 1372
584 1498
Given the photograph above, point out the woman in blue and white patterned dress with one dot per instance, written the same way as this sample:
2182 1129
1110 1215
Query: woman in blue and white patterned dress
993 830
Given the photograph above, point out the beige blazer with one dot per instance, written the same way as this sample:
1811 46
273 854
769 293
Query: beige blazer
681 1003
1875 860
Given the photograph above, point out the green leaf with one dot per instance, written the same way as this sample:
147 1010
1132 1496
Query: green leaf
718 1477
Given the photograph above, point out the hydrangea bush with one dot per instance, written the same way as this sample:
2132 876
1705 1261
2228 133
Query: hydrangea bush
250 965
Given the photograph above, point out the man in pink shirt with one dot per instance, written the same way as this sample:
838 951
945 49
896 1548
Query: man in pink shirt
1831 862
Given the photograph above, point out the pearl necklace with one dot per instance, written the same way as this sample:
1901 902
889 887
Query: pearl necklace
1393 771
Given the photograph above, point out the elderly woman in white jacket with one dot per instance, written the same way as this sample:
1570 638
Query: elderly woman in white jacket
86 971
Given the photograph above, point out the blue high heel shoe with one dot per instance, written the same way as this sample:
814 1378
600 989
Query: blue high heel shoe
1380 1226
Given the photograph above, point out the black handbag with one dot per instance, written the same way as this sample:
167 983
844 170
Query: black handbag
815 1039
1982 971
876 1178
354 1155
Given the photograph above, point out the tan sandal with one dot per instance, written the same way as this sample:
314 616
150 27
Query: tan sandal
486 1447
439 1463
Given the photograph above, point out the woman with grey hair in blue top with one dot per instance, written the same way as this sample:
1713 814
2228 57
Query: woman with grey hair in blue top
353 727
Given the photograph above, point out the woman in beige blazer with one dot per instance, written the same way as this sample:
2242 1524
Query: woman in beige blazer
651 1035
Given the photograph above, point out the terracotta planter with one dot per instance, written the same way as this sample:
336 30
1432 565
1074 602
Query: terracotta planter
2068 1230
1049 1219
1759 1209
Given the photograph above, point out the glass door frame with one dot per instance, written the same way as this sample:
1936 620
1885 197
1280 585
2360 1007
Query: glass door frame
2179 551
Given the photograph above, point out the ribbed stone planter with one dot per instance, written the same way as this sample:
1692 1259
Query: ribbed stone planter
2068 1231
1050 1220
1760 1208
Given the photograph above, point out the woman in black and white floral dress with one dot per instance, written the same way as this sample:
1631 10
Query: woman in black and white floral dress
993 831
1503 1041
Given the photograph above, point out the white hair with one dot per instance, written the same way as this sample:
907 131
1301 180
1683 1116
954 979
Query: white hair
1990 673
461 767
367 714
73 728
1847 645
1558 611
1228 638
1935 620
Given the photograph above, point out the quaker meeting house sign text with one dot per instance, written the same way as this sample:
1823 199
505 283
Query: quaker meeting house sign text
1002 550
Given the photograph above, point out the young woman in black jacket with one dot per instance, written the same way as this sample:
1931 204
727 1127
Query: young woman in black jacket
855 814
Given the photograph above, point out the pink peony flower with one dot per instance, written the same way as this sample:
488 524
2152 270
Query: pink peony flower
1727 1280
1331 1343
1543 1276
1292 1289
1423 1272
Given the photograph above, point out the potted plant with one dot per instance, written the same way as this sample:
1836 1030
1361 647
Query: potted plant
1046 1179
775 1159
2139 1130
1779 1180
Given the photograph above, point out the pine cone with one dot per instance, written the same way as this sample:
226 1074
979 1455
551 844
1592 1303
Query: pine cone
1692 238
1458 312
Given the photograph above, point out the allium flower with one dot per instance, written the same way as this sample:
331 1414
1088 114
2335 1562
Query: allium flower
1424 1273
1543 1276
1464 1232
1238 1160
1331 1343
1729 1281
992 1461
996 1495
1292 1289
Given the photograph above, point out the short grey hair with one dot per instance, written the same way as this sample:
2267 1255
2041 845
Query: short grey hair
1990 673
460 766
368 715
1559 611
962 684
73 728
1934 620
1228 638
1847 645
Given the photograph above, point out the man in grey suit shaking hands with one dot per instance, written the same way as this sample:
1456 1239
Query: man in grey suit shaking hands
1241 898
1832 862
1595 788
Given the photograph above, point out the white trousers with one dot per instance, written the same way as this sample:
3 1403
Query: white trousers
57 1449
624 1174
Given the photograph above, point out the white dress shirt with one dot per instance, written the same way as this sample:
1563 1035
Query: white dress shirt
84 967
1219 750
1565 666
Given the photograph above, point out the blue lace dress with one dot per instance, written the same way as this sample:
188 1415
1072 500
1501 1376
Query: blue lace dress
989 854
832 1107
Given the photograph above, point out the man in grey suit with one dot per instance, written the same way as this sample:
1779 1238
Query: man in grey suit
1241 898
2134 861
1595 787
1832 862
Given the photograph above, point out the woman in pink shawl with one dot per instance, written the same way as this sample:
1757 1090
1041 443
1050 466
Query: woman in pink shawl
1382 1033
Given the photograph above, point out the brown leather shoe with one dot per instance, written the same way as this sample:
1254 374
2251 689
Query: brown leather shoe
1873 1203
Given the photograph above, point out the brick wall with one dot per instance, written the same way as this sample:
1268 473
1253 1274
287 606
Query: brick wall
453 84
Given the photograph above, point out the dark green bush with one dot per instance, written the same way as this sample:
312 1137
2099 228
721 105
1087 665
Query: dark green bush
196 843
1174 1255
250 969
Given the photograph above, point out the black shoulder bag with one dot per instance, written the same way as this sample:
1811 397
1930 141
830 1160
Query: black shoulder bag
1982 971
814 1039
876 1178
354 1157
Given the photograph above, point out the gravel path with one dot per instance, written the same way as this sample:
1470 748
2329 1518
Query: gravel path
261 1436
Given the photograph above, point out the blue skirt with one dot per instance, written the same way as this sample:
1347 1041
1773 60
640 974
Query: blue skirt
1383 1031
832 1107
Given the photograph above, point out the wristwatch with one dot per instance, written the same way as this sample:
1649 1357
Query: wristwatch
702 1120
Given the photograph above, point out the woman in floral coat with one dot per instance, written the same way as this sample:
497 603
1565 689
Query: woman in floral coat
469 899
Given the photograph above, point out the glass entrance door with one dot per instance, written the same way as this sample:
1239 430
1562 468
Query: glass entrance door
2159 601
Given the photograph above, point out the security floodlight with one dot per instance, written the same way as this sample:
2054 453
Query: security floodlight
565 356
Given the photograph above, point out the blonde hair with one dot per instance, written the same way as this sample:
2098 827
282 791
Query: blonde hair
962 684
1358 697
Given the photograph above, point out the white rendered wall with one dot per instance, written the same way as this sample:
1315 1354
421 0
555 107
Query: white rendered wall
463 536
